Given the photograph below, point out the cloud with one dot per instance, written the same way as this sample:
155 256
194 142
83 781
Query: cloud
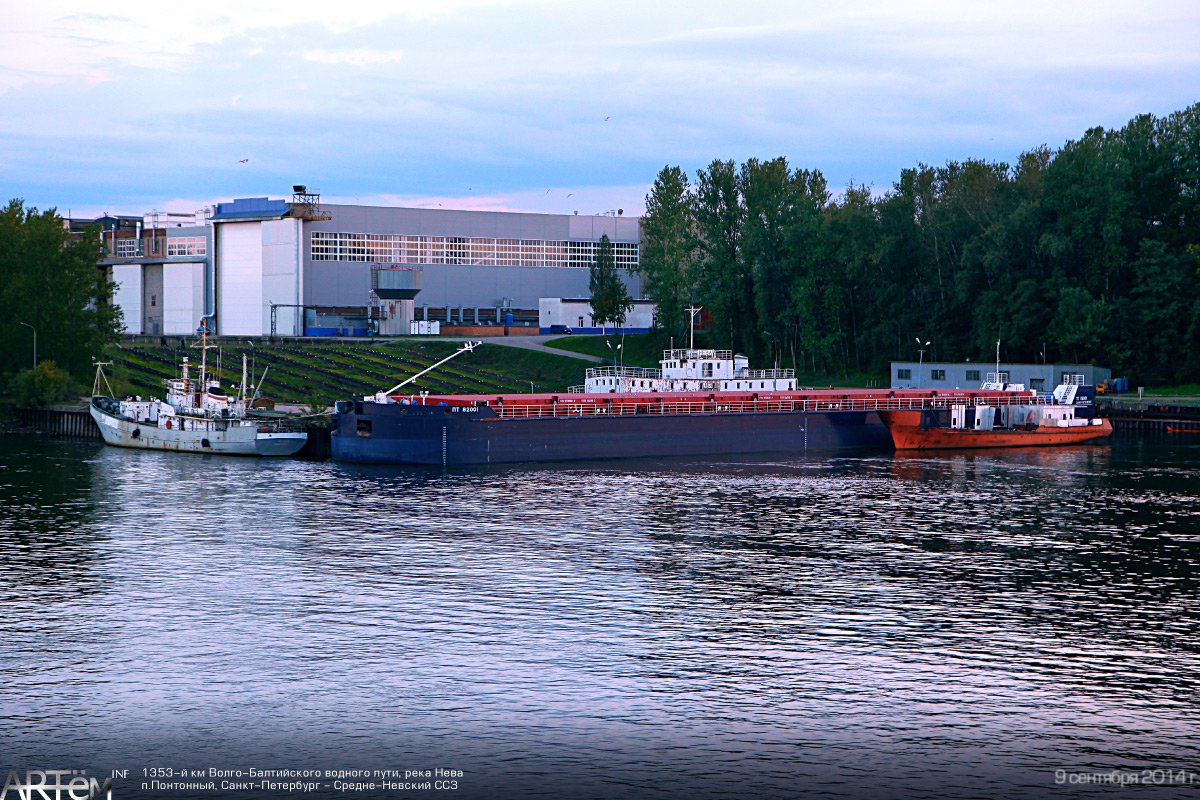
357 57
488 104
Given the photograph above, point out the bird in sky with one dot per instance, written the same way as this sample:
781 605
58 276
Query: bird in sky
547 191
606 119
243 161
570 194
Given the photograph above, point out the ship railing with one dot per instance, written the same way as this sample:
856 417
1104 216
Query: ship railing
622 406
764 374
622 372
577 389
683 355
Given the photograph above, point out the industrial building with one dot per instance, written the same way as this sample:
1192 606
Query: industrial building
575 314
260 267
969 375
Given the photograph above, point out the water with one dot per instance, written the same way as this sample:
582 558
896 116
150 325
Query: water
885 626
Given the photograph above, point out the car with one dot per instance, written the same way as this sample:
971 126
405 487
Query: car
561 329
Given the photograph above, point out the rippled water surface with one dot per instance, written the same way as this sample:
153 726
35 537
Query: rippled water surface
960 625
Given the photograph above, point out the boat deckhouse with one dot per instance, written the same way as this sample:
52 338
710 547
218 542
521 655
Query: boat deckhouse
690 370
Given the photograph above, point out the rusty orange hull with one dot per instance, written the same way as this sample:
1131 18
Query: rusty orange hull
907 434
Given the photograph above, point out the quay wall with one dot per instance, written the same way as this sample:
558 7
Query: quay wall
1151 417
74 422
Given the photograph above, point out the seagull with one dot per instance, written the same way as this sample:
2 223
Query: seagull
570 194
243 161
547 191
606 119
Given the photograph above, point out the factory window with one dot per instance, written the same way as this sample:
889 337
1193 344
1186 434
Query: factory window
972 374
153 300
187 246
937 374
904 374
128 248
398 248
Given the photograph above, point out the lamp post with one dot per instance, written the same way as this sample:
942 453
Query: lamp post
610 347
921 358
27 325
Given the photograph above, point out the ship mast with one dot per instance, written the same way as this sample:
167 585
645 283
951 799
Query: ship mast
693 310
998 364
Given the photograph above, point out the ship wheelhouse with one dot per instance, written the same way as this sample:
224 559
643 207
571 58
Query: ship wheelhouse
689 370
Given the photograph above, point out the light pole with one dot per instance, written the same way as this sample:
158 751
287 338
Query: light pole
610 347
27 325
921 358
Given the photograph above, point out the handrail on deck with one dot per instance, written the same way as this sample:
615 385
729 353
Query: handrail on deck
622 406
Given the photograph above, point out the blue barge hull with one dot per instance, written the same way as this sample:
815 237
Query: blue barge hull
393 433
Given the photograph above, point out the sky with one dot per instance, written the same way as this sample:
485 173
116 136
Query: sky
551 106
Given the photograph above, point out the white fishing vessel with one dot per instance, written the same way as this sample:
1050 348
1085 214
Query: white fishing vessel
198 416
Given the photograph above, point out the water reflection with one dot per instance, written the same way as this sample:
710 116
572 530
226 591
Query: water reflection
950 626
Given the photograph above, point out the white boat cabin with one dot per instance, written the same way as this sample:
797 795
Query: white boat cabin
185 399
689 370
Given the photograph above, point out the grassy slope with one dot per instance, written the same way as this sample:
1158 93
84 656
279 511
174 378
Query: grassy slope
298 372
548 372
638 350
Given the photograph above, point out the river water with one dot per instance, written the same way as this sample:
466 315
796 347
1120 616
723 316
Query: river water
1004 624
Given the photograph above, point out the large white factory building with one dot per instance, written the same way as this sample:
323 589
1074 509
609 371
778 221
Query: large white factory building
257 267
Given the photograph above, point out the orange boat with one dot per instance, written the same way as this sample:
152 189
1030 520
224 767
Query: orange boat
909 434
1022 419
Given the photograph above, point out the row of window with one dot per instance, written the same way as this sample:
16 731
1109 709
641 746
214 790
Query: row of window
972 375
187 246
381 248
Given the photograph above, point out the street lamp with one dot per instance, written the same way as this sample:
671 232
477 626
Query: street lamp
610 347
27 325
921 359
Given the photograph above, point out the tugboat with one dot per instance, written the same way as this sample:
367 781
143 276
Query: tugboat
1026 419
198 416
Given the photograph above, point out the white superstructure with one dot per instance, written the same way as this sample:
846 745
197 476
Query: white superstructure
690 370
198 416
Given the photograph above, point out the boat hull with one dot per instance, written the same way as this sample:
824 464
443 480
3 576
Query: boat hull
221 437
391 433
908 433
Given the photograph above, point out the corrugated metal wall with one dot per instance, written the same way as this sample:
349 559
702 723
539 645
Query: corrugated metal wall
128 295
240 279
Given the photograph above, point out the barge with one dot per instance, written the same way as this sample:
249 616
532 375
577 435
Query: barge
700 403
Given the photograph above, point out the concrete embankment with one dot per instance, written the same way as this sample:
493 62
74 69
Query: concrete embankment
68 421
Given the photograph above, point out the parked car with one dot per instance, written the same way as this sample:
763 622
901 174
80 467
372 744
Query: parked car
561 329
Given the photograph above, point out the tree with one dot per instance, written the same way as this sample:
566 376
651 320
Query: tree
723 285
52 283
610 298
42 386
668 250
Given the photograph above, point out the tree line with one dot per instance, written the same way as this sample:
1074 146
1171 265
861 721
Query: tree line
51 288
1088 253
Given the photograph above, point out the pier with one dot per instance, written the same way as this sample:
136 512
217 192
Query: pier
1151 417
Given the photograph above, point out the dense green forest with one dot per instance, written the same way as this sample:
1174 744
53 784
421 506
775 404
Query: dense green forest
1088 253
50 289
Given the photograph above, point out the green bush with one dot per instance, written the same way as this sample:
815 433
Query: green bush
43 386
